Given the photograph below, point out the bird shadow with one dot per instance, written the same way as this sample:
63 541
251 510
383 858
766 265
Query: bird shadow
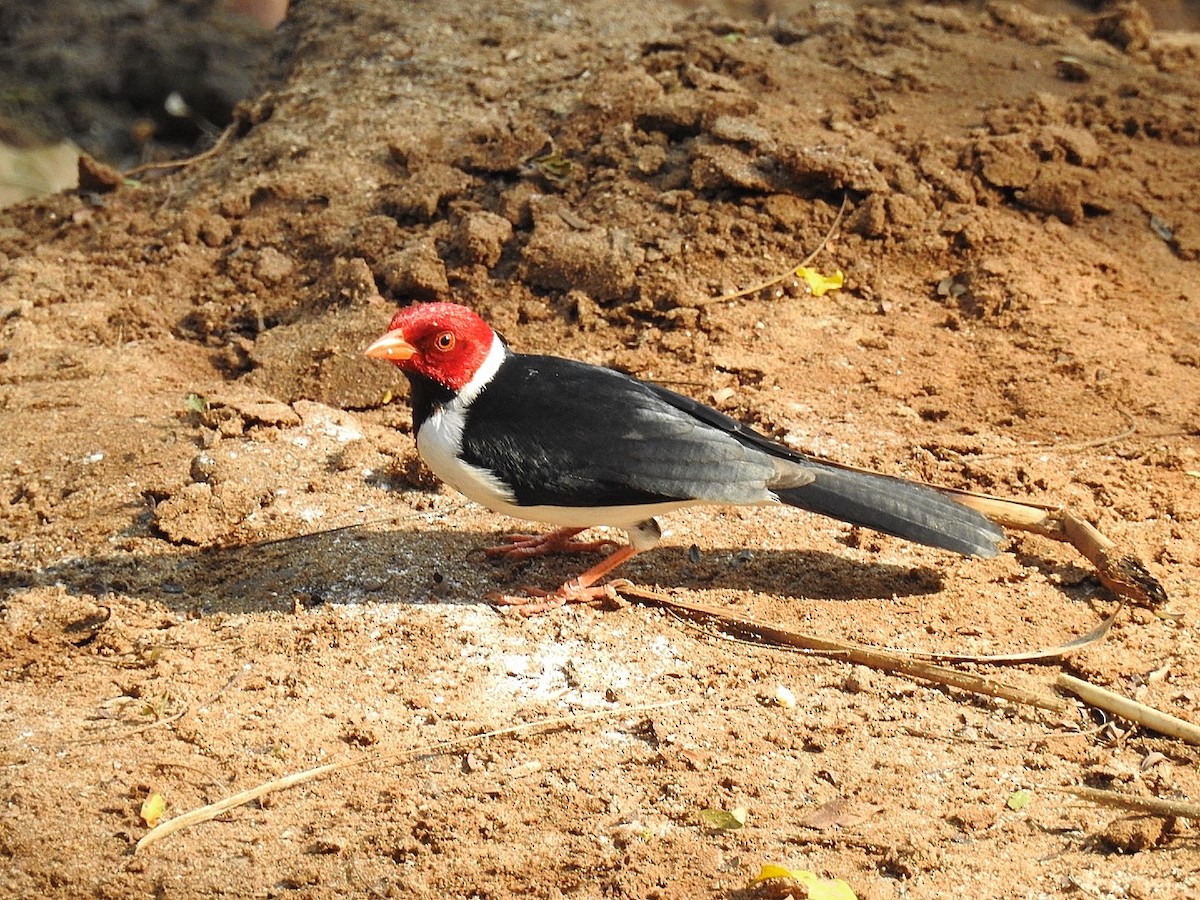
404 565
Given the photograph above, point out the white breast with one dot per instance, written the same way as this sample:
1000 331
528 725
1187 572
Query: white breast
439 441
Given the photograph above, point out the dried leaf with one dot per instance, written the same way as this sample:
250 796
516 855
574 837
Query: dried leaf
724 819
844 813
1018 800
553 165
818 888
153 808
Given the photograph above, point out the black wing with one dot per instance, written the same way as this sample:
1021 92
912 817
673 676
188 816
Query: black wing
564 433
906 509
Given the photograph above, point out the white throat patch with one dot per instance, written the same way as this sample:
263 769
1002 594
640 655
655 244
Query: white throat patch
439 441
484 374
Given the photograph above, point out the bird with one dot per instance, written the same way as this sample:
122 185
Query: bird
575 445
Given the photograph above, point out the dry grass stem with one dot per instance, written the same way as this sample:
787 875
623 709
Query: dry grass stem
212 810
884 660
1151 805
1148 716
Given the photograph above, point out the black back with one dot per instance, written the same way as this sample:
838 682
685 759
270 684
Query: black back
565 433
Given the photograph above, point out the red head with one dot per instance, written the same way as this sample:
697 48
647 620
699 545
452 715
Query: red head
445 342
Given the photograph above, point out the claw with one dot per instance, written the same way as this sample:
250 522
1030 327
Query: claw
537 601
528 546
578 590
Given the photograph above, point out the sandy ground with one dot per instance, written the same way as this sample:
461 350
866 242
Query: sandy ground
221 562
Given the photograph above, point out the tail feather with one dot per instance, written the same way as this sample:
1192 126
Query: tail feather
894 506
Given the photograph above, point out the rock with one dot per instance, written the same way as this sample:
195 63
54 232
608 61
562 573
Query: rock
825 167
1077 145
420 197
1007 162
1128 27
1134 833
599 262
215 230
676 115
718 167
272 267
96 177
201 514
1055 194
742 131
870 218
417 272
253 406
480 237
351 282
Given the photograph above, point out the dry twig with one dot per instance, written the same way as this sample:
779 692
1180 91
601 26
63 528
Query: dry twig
1119 569
780 278
116 735
884 660
1130 429
1148 716
1151 805
212 810
182 163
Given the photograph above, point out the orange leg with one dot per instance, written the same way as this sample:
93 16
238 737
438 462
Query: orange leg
581 589
527 546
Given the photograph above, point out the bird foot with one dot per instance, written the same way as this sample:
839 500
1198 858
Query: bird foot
537 601
528 546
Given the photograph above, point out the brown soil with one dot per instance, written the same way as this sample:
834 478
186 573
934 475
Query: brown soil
223 564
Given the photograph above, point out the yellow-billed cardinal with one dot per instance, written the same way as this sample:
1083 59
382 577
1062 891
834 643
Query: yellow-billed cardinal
577 445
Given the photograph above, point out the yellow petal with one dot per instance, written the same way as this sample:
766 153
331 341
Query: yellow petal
820 284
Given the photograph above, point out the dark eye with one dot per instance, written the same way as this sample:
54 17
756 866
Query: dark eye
444 341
